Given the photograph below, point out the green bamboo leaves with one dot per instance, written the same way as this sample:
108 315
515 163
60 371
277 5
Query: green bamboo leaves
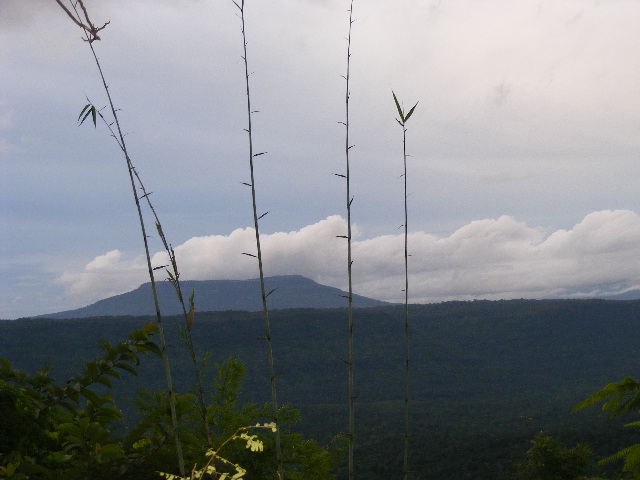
403 118
88 109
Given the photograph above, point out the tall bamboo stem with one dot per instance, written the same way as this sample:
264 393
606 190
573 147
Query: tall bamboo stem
350 361
263 292
90 36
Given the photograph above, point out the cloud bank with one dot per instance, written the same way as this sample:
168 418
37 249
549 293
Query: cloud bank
485 259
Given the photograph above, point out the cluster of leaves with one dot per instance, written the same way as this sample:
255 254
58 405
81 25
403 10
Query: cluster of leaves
620 399
49 430
548 459
252 442
75 431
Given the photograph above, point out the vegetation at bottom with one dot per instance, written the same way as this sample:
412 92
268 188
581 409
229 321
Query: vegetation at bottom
74 430
488 377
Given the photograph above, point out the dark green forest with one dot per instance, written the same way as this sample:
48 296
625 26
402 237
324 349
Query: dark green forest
486 375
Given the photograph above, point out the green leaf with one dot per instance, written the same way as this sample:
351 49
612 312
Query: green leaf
104 381
615 392
142 443
127 367
395 99
109 451
153 348
410 112
88 109
91 396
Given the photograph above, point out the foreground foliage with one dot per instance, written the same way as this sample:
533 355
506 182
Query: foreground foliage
75 431
548 459
489 376
622 398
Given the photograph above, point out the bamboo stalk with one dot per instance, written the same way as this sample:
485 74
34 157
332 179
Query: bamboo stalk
90 36
256 218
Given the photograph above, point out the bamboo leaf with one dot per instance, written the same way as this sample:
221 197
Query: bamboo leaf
86 111
410 112
273 290
126 367
395 99
86 107
91 396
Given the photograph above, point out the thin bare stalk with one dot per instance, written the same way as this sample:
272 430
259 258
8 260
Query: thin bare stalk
256 218
405 463
402 121
188 314
350 361
174 278
90 37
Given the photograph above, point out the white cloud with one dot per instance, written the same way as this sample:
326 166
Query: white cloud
104 276
492 258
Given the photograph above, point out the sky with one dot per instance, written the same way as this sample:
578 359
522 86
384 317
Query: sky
524 149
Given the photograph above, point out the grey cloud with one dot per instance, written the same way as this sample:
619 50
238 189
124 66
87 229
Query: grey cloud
493 258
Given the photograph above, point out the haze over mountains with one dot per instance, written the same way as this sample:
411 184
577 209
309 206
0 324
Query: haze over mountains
290 291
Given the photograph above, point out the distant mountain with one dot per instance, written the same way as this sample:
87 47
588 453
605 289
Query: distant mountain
628 295
291 291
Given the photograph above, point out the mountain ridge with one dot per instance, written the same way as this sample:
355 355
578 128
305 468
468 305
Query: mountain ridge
289 291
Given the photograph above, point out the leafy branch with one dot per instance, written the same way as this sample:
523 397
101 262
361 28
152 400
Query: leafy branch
252 442
622 398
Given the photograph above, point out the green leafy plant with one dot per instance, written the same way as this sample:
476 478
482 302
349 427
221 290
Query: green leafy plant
74 430
402 121
548 459
65 431
252 442
620 399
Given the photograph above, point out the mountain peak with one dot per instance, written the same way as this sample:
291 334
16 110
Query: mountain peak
290 291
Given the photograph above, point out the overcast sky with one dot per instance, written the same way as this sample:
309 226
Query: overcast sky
524 172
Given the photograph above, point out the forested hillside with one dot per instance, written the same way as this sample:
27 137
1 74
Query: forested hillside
485 375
